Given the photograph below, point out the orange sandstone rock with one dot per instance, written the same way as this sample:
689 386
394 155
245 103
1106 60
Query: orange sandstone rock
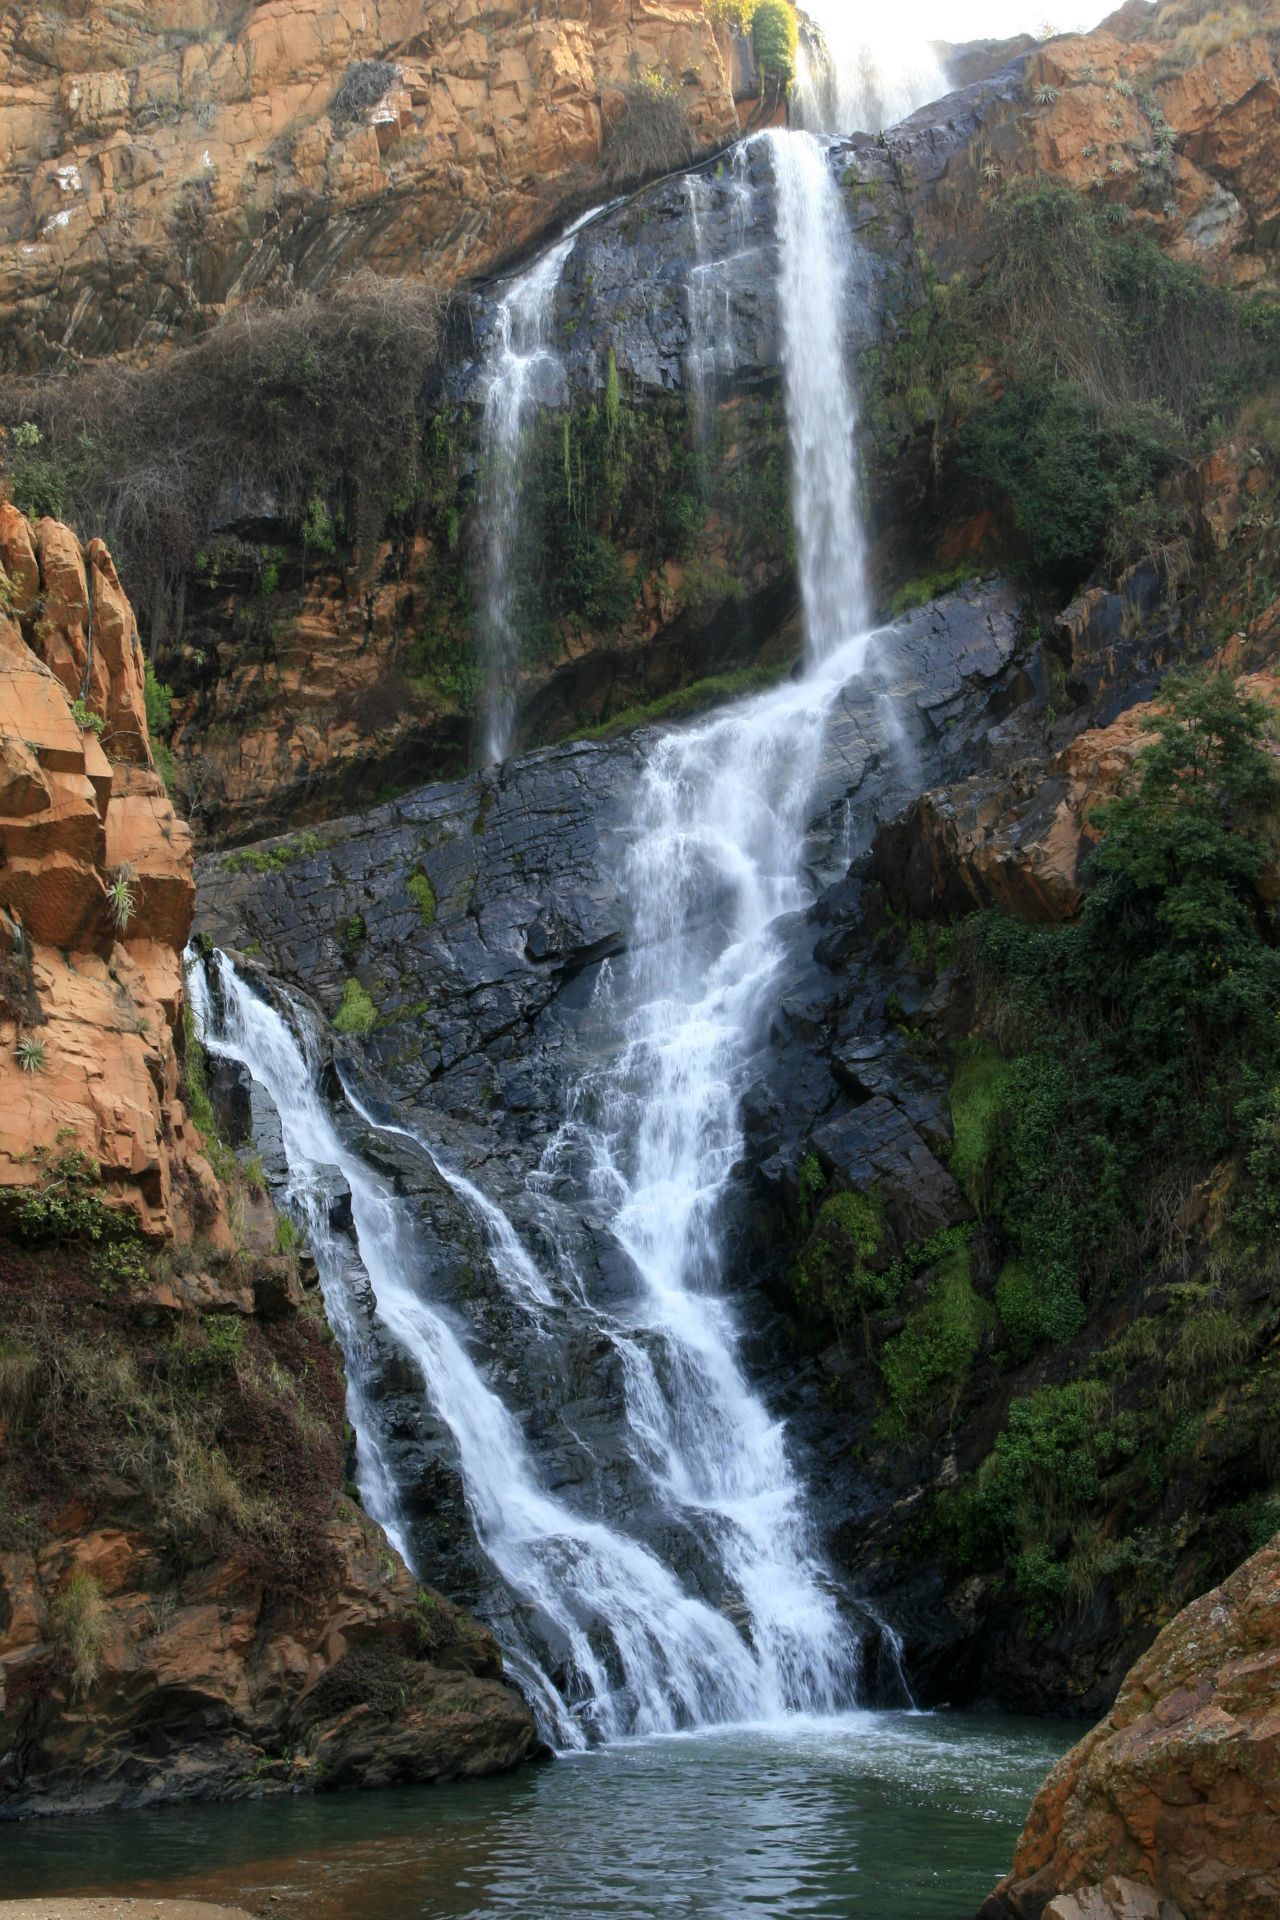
100 992
1172 1806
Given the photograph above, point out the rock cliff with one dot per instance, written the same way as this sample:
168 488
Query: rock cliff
163 164
1168 1809
190 1604
96 897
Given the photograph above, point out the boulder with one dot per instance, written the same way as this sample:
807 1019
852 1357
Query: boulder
1171 1807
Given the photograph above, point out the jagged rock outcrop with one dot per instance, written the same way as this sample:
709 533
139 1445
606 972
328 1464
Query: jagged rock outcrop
189 1604
162 166
96 896
1168 118
1169 1807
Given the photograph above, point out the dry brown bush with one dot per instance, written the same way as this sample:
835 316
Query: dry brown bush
320 396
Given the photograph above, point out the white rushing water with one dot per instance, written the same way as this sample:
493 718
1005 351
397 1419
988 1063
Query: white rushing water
876 69
520 366
814 290
672 1660
618 1639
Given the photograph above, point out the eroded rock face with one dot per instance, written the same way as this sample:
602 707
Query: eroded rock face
161 164
207 1688
1169 1807
96 897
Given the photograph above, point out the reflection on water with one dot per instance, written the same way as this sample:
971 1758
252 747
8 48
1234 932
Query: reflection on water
869 1817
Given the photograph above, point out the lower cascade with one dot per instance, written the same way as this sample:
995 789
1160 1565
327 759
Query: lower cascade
612 1640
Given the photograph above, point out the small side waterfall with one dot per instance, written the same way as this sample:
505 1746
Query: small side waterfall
868 75
814 282
520 372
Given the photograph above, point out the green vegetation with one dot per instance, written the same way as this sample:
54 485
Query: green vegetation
289 1235
299 846
226 1428
928 1363
30 1054
67 1207
357 1013
121 899
1114 361
86 719
648 130
694 698
931 586
1150 1049
1139 1065
833 1277
422 894
775 36
78 1628
318 399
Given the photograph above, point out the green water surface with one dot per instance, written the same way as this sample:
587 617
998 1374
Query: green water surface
867 1817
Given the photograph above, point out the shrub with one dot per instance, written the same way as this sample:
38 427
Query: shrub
224 1338
931 586
775 36
159 705
1044 1467
30 1055
19 1380
357 1014
647 131
1037 1309
321 396
1068 467
78 1628
289 1236
978 1093
422 894
1150 1048
832 1276
121 899
926 1365
362 86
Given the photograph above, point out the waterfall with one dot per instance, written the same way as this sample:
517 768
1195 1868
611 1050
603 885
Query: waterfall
864 76
642 1654
612 1633
520 373
814 289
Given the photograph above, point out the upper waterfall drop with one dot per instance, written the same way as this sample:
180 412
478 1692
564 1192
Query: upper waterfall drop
865 76
521 367
815 285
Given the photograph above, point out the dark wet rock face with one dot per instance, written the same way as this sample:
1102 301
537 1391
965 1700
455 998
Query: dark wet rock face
484 981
